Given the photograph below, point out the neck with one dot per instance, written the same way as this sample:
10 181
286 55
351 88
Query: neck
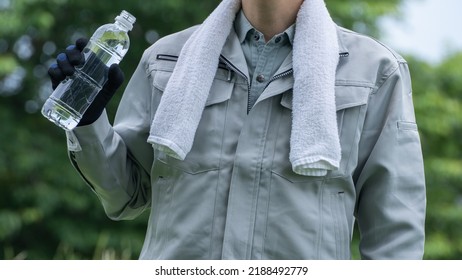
271 17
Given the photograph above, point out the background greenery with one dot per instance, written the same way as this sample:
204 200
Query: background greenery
46 210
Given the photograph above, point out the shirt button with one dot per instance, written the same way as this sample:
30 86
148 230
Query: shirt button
260 78
278 39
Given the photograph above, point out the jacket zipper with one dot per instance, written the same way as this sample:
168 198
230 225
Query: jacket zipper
278 76
235 69
227 65
290 71
223 64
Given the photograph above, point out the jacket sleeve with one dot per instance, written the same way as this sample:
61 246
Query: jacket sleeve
391 184
115 161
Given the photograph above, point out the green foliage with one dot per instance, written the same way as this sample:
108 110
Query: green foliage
46 210
438 105
362 15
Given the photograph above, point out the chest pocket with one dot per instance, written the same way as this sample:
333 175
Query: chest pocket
209 135
351 106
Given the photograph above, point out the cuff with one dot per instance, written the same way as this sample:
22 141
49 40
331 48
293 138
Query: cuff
88 134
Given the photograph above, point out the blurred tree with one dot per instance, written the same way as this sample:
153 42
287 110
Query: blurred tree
46 210
363 15
438 104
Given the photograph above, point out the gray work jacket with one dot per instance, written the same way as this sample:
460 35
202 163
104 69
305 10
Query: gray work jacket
235 195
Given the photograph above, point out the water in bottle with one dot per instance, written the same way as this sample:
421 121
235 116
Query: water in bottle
73 96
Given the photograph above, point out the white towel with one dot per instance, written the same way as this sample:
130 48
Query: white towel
314 142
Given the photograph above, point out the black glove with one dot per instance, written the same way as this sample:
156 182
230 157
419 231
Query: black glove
65 66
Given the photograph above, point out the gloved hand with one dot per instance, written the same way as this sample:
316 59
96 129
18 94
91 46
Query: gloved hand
65 66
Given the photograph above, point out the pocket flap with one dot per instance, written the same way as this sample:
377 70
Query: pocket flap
160 80
220 91
161 70
351 96
345 97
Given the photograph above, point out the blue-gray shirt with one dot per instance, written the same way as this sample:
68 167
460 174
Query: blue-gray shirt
263 58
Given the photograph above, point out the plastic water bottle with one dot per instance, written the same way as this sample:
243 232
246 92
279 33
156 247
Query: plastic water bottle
73 96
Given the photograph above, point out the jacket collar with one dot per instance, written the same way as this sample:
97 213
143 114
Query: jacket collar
232 51
243 27
343 50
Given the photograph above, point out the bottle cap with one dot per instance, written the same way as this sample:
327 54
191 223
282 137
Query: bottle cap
126 19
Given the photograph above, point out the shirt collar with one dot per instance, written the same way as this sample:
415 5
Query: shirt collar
243 27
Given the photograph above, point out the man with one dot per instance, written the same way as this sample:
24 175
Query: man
264 133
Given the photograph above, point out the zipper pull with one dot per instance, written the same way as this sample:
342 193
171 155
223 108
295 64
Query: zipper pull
230 74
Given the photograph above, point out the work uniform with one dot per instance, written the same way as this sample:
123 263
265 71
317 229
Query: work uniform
235 195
